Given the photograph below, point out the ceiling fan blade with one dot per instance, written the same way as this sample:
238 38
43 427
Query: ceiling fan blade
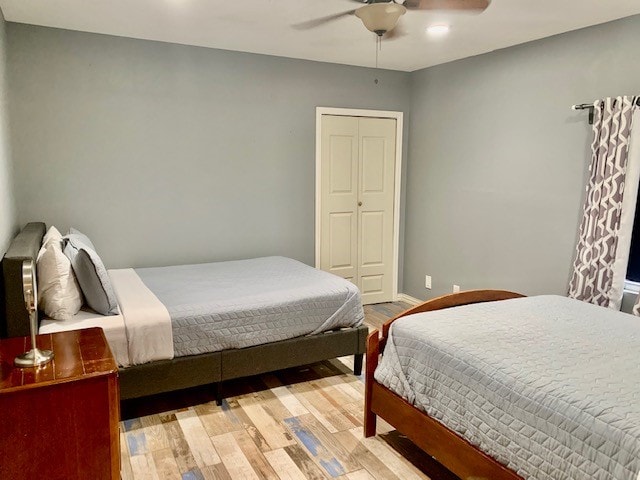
468 5
316 22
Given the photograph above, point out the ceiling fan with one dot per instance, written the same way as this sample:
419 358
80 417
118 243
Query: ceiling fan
381 16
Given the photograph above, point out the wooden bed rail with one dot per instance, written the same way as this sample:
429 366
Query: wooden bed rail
451 300
373 355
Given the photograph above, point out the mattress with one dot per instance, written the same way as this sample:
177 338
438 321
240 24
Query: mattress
236 304
112 325
548 386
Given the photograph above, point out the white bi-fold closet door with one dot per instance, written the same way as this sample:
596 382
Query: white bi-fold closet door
357 196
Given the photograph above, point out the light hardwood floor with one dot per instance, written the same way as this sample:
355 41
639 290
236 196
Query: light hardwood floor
294 424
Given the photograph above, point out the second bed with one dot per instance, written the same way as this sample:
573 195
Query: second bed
545 386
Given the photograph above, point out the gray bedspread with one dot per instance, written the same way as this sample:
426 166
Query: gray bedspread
217 306
547 385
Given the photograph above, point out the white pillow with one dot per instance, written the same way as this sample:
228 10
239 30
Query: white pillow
59 294
52 235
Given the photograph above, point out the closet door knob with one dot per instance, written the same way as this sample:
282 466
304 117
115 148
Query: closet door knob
359 204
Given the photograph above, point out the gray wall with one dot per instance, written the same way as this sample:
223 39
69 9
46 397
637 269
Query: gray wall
497 160
7 206
167 154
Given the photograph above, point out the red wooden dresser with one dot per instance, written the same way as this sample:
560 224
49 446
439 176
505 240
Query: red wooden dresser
60 421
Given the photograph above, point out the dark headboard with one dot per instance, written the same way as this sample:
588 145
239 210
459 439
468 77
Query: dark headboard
24 247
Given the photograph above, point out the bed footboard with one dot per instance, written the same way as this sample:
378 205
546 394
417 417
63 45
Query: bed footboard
451 300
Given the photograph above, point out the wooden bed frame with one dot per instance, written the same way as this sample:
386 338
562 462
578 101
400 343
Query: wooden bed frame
181 372
446 446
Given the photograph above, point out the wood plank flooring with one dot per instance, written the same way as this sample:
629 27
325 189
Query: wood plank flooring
300 423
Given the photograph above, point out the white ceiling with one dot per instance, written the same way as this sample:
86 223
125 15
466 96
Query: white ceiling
265 26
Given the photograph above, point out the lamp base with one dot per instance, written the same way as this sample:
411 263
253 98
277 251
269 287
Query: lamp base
33 358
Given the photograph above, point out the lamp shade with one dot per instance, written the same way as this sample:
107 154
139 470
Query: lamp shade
380 17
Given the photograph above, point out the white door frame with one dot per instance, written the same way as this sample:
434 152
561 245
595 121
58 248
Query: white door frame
350 112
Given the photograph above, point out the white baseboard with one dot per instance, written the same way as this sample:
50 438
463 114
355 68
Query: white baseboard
403 297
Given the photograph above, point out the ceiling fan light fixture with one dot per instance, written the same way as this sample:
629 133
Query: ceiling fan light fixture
380 17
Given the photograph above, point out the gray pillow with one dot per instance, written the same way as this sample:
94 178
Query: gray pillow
92 276
80 237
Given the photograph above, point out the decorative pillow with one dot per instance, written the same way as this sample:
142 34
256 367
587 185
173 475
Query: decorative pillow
52 235
80 237
92 276
58 290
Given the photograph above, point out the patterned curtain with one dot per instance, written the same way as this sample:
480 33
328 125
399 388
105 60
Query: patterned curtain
598 272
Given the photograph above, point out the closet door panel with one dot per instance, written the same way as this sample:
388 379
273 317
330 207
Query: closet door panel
376 182
339 196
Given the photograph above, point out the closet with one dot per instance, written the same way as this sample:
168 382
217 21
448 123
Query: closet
357 202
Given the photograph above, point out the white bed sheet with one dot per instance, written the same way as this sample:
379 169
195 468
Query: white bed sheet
147 321
113 326
141 333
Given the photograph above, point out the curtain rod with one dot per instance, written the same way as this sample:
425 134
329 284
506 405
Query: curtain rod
591 108
586 106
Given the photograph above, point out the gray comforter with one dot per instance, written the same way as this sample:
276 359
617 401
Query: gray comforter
217 306
548 386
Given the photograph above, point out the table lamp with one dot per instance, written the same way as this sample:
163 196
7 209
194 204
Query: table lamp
35 356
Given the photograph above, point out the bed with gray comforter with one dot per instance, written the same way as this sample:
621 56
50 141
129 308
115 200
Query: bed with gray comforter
338 303
548 386
238 304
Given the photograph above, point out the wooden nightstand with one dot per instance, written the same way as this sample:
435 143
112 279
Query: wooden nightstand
60 421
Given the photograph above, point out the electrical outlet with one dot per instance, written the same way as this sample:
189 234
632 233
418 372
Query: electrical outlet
427 282
456 288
